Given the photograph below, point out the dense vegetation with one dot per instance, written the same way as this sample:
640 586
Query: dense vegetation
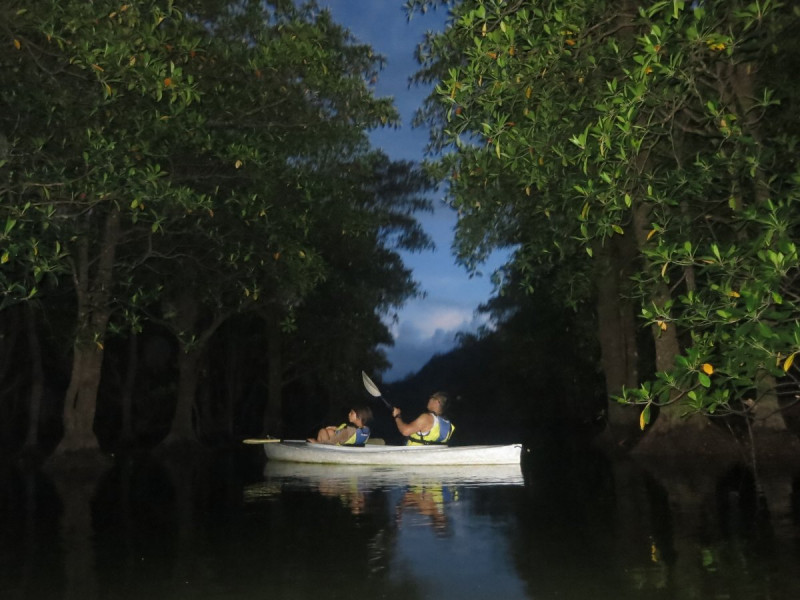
641 157
195 230
198 242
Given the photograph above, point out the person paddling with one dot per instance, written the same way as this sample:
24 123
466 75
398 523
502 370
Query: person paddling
428 428
353 433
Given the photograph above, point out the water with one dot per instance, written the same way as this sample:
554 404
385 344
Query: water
568 527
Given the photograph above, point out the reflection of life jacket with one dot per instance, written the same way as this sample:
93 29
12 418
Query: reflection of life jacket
439 494
359 438
439 434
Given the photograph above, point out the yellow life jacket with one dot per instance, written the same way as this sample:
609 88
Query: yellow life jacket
440 433
359 438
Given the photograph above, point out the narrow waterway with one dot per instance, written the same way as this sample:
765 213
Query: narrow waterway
570 527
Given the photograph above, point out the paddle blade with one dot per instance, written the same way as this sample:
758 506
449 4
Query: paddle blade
371 387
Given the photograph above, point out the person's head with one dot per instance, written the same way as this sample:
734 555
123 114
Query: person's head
437 403
360 415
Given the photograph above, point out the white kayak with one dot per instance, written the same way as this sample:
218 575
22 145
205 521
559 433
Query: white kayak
306 452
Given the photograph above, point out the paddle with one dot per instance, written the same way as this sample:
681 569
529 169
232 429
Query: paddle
373 390
261 441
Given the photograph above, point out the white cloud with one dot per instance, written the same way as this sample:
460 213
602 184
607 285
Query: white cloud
427 328
423 322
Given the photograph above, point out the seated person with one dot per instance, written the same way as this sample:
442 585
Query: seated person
428 428
353 433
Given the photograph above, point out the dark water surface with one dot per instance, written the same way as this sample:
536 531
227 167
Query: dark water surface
563 527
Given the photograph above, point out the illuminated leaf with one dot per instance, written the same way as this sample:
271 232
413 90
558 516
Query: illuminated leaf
787 364
708 369
644 417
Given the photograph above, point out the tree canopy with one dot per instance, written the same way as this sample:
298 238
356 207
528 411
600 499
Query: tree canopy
177 163
658 139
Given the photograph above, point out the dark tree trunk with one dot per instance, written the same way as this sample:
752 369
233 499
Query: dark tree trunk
190 359
272 414
37 379
183 426
617 333
128 434
672 433
233 381
93 295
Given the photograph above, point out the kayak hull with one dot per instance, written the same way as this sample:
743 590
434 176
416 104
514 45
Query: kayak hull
305 452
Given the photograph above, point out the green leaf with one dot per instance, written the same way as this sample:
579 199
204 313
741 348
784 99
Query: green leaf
704 380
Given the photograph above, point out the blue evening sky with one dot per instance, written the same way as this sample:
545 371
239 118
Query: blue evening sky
426 326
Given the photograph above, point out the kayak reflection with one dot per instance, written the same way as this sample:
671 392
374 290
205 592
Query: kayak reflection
371 477
424 491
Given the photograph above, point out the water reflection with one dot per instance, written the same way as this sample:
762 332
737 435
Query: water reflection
428 501
435 536
371 477
574 526
424 491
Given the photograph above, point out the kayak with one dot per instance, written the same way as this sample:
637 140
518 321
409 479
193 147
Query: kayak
306 452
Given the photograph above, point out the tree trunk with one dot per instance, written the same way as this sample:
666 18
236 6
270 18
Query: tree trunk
93 295
37 379
127 434
617 335
739 91
190 358
272 413
671 433
183 428
234 378
11 379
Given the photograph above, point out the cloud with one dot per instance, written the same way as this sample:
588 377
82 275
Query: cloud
427 328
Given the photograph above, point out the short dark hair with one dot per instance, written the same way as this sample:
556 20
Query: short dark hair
364 413
441 397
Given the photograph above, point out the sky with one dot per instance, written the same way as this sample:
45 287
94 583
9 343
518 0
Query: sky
426 326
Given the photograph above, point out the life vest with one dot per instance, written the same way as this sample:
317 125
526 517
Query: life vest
439 434
359 438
